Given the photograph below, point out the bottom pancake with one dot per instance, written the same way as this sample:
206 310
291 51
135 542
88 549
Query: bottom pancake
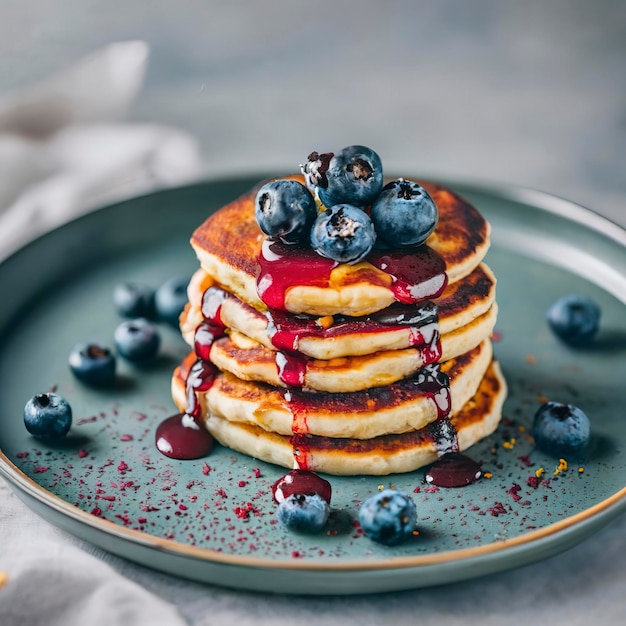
388 454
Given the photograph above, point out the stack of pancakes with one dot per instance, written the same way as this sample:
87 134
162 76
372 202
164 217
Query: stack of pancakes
363 385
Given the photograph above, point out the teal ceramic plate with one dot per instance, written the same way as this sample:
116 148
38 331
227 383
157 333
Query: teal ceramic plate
213 519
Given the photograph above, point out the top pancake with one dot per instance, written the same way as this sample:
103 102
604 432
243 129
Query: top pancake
229 242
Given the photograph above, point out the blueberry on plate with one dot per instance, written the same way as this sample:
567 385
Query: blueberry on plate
285 209
353 176
170 299
343 233
133 299
48 416
93 364
404 214
560 429
388 517
575 319
137 340
303 513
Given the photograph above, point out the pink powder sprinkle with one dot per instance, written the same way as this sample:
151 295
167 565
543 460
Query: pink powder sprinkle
107 498
182 507
514 492
126 438
296 554
257 472
533 481
497 509
21 455
206 469
97 511
122 467
82 454
496 336
142 520
40 469
417 489
86 420
242 483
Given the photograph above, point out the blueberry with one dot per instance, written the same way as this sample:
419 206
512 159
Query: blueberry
343 233
285 209
48 416
388 517
404 214
353 176
170 299
303 513
137 340
560 429
93 364
133 299
575 319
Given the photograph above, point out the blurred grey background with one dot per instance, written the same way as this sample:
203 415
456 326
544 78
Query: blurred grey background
531 93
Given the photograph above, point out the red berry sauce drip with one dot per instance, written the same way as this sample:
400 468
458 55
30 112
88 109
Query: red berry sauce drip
453 470
301 451
303 482
291 367
203 339
285 330
418 275
444 436
435 384
212 300
180 437
200 378
284 266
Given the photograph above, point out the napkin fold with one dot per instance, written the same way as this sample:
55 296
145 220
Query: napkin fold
64 150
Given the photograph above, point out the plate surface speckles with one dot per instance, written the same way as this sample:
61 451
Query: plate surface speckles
213 519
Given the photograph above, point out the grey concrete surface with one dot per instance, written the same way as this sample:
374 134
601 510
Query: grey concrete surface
531 93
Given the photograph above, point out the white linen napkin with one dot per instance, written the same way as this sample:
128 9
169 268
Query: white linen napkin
63 151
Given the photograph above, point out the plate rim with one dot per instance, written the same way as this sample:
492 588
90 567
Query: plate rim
602 512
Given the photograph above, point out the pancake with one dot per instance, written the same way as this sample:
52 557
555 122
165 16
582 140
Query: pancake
382 455
396 408
249 360
460 305
228 245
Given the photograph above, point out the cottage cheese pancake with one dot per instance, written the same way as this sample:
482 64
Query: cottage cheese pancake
461 306
381 455
396 408
233 251
249 360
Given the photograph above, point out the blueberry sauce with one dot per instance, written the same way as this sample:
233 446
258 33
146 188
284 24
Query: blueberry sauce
291 368
203 339
453 470
435 384
284 266
302 482
417 275
212 300
430 382
181 437
286 330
